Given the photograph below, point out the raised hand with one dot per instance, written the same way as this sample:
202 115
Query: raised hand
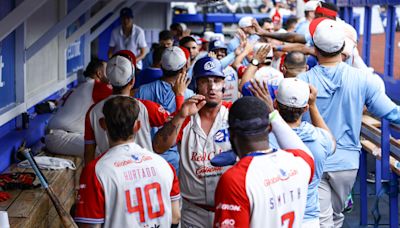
212 54
192 106
260 90
313 95
258 28
262 53
181 84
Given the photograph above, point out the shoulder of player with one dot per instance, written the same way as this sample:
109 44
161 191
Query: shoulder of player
227 104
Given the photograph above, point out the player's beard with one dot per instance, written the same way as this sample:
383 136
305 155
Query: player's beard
211 104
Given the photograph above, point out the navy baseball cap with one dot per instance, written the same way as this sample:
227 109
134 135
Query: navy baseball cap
217 44
126 12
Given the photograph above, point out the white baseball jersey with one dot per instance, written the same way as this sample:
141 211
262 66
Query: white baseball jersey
198 178
71 115
231 84
265 190
127 186
150 115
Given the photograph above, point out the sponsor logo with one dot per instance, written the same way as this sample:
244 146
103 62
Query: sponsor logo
123 163
282 176
140 158
208 171
228 223
209 65
228 207
162 110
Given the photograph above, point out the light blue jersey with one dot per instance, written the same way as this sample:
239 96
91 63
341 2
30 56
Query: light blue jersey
319 141
342 93
161 92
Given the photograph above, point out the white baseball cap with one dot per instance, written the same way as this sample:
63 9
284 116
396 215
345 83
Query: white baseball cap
173 59
327 34
293 92
245 22
120 71
311 5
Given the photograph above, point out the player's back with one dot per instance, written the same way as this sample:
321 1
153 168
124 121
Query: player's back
138 187
267 190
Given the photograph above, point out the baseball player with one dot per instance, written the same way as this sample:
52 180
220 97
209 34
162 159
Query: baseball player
342 93
120 72
295 97
267 187
200 131
127 186
231 92
66 128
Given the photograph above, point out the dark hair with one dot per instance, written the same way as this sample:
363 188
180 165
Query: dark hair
290 21
157 54
295 59
307 13
171 73
329 6
120 113
118 89
177 27
290 114
249 121
326 54
263 20
94 65
165 35
185 40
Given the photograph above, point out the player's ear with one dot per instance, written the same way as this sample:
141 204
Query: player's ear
102 123
136 126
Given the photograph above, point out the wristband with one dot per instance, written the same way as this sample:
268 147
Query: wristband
273 115
279 48
174 225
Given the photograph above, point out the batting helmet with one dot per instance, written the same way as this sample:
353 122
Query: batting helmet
207 67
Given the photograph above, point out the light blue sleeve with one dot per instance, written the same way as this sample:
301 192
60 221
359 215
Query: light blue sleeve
233 44
377 102
326 141
394 115
228 60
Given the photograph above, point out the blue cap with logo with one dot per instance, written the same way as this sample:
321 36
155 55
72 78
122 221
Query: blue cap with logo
208 67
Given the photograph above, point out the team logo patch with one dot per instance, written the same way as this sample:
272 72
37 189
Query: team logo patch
284 174
221 136
209 65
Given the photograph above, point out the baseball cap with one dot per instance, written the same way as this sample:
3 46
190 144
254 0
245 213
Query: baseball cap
128 54
208 67
327 34
120 71
173 59
208 35
126 12
217 44
311 5
293 92
245 22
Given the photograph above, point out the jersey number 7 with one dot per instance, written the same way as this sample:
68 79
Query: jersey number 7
140 207
288 216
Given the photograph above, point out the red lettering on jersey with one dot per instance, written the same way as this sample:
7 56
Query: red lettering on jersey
203 171
122 163
136 174
202 156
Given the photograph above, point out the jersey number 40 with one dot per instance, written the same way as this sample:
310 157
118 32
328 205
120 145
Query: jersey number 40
140 206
